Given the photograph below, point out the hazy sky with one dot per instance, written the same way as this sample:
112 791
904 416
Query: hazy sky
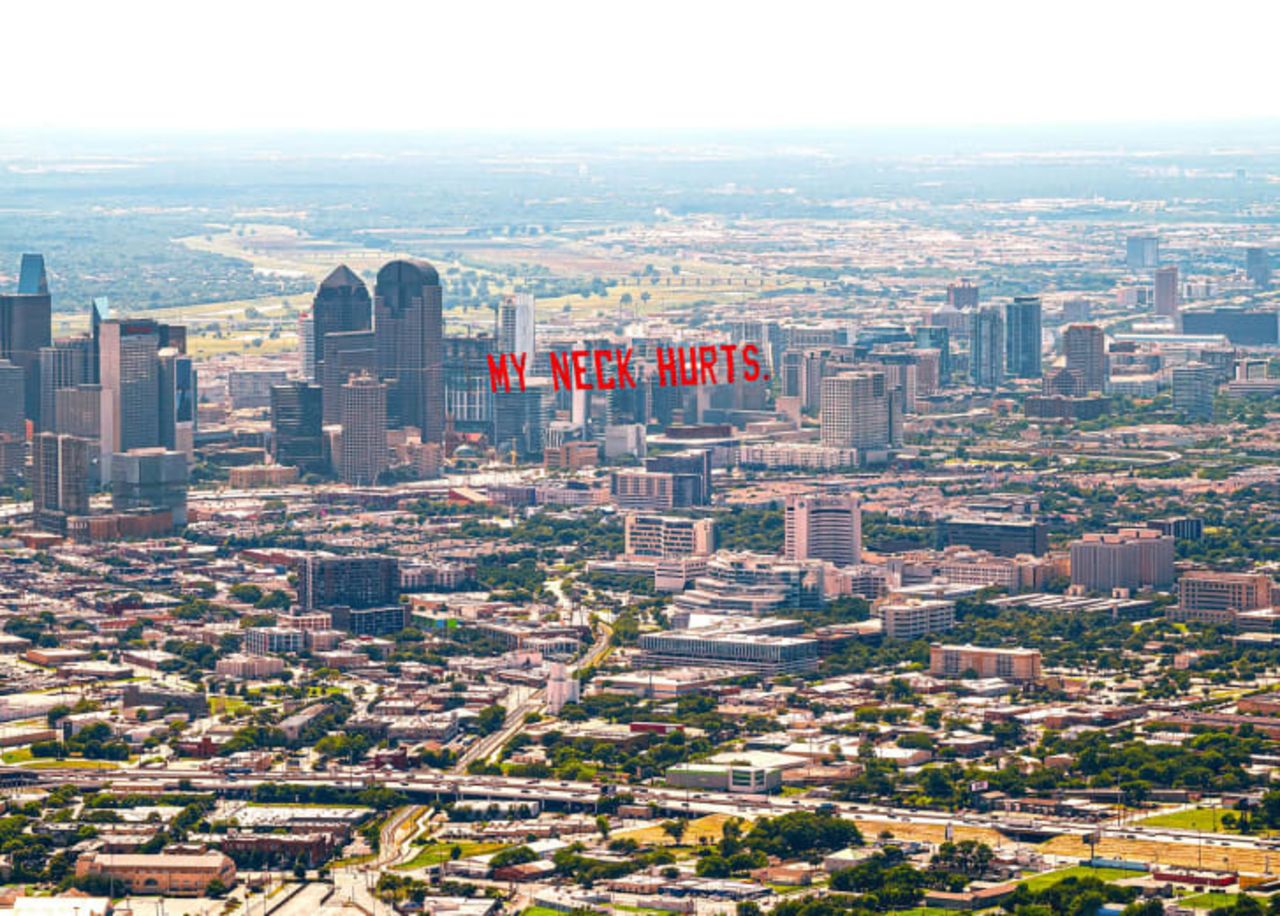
604 64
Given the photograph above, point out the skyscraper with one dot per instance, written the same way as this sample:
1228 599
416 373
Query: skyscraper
363 414
935 337
99 311
1086 349
307 346
516 325
13 382
130 367
1142 252
1257 264
520 418
468 398
25 326
1167 291
346 353
409 331
986 348
1193 388
78 411
824 527
341 304
297 438
177 395
32 280
60 479
855 410
962 295
1023 337
65 364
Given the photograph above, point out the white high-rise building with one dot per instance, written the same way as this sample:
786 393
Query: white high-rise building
363 412
561 689
516 325
824 527
855 410
307 345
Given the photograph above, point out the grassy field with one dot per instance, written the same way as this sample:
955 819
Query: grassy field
436 853
1214 900
230 705
1208 820
707 829
74 763
1050 878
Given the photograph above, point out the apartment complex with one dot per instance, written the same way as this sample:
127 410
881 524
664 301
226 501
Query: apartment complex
1131 558
1007 664
915 618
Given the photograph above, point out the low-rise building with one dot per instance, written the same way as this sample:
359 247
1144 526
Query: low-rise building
171 874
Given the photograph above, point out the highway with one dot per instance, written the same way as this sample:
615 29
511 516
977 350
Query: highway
582 795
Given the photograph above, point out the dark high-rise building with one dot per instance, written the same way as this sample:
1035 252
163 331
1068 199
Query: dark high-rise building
691 469
1004 535
13 382
297 437
467 398
130 366
99 311
409 332
934 337
1167 291
1257 264
1086 349
66 364
177 397
346 353
326 581
986 348
60 480
1193 389
26 325
341 304
1142 252
1022 337
32 280
1243 326
150 479
520 419
962 295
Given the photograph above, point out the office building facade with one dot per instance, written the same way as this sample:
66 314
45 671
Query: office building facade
1023 337
987 348
297 434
